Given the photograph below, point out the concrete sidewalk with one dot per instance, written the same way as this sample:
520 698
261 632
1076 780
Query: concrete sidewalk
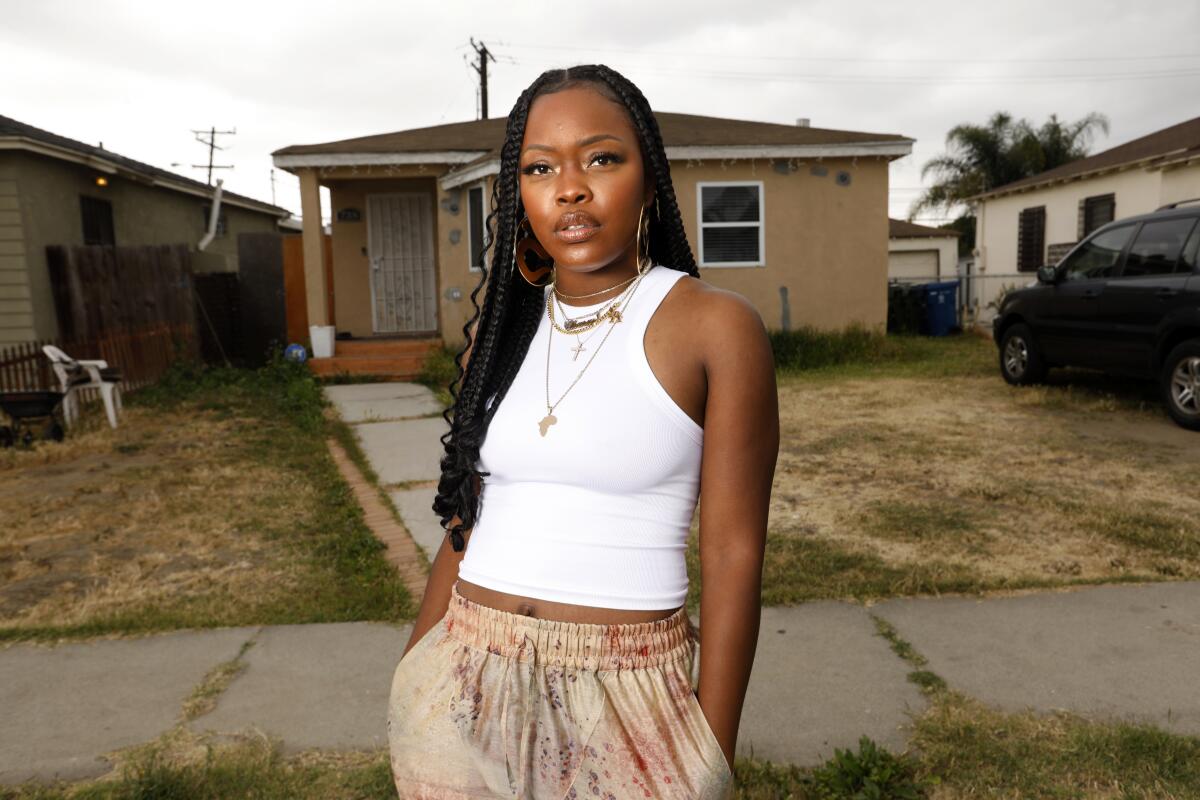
823 675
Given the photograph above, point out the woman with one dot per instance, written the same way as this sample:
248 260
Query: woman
552 655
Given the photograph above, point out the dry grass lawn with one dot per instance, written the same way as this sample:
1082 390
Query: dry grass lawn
214 510
929 474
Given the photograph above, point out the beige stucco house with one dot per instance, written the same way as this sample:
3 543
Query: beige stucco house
1036 220
810 245
59 191
920 253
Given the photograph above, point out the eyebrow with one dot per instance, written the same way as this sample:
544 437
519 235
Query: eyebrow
584 142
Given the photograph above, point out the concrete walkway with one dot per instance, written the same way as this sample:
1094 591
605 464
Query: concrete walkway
823 675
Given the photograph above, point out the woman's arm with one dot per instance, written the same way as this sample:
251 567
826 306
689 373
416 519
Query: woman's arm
444 570
741 443
442 575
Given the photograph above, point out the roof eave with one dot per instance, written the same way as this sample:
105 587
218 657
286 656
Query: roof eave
108 167
887 149
315 160
1164 159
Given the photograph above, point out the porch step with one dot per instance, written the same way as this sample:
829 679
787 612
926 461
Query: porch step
389 347
396 359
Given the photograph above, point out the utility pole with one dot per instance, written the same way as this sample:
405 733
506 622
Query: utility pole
211 141
481 68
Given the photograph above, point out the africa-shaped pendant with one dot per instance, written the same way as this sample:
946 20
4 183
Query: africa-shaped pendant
546 422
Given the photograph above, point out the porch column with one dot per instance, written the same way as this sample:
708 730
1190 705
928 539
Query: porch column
315 291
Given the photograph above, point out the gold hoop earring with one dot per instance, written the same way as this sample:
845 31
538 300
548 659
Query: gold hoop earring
643 258
530 258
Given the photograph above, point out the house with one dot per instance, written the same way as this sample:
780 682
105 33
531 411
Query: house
920 253
809 245
59 191
1034 221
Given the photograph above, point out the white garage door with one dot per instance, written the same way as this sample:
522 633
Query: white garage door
913 264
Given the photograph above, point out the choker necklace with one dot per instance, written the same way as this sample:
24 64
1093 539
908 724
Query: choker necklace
590 294
613 315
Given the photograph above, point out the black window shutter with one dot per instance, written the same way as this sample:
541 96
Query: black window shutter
1031 239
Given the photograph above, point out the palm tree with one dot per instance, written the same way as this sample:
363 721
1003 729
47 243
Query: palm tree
982 157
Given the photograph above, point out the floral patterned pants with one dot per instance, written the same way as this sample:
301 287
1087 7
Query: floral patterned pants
491 704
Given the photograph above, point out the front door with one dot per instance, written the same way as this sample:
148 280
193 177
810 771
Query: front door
401 255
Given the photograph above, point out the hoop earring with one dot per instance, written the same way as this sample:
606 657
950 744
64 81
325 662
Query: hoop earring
531 259
643 258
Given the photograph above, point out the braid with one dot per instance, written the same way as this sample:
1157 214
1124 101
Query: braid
512 309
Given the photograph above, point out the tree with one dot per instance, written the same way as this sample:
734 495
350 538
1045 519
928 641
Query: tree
982 157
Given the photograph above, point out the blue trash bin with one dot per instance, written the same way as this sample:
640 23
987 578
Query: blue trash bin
941 307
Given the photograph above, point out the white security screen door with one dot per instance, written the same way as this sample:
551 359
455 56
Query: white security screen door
400 247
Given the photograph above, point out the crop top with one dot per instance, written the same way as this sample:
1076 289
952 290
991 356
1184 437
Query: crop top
597 511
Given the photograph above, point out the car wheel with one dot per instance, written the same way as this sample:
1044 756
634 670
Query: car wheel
1021 361
1180 383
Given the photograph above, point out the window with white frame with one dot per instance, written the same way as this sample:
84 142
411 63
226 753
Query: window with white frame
731 223
477 238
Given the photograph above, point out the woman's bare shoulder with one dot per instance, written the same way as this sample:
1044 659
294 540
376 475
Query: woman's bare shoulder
725 322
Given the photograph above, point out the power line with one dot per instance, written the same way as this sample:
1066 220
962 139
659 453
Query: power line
964 80
857 59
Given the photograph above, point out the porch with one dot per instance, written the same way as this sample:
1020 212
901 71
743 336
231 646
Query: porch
373 277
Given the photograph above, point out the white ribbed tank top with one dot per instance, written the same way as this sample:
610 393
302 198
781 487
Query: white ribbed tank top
597 512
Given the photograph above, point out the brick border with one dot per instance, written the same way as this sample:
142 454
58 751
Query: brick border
402 550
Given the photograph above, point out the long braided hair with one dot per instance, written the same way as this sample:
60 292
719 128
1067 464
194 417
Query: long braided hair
512 308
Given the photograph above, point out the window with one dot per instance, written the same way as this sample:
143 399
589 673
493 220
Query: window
221 222
1096 212
1031 239
1157 247
1096 257
97 220
1191 253
477 238
731 223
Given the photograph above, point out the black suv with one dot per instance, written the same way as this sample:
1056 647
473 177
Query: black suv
1125 300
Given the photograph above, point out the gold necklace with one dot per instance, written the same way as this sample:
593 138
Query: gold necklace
582 324
548 420
590 294
581 341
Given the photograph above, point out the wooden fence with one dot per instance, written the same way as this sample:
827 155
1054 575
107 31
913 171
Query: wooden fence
141 355
100 290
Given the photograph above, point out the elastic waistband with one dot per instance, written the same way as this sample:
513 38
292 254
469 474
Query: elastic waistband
575 644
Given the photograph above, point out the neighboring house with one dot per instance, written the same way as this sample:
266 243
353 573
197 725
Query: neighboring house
1034 221
920 253
58 191
772 211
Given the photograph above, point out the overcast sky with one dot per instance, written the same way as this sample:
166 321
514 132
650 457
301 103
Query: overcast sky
139 76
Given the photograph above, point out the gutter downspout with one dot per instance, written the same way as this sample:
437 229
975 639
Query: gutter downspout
212 218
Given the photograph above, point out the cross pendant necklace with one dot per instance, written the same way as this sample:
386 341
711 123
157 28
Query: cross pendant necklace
613 316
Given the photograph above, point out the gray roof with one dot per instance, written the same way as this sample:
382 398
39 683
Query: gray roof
902 229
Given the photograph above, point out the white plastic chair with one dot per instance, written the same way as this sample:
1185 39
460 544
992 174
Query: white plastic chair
96 373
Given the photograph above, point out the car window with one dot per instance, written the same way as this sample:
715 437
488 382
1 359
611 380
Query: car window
1157 247
1190 258
1096 257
